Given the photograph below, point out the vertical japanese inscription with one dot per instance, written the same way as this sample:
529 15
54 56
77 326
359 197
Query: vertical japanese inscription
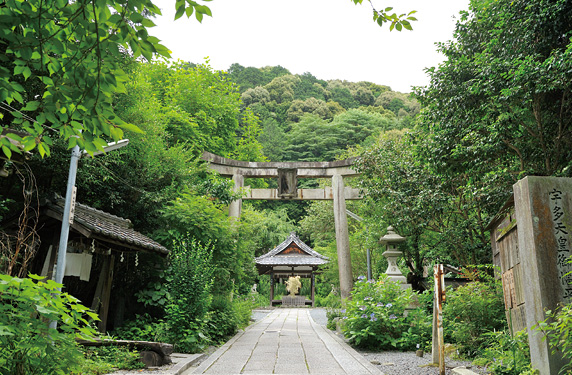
561 229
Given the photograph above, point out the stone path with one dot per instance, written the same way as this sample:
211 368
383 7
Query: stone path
287 341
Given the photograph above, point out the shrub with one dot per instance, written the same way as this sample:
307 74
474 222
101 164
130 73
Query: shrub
142 328
105 359
260 300
226 317
332 301
333 316
375 316
28 345
190 281
222 320
242 306
557 328
505 353
472 310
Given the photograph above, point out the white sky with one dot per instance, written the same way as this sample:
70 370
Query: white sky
332 39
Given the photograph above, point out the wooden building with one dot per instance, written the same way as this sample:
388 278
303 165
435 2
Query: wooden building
100 246
291 258
507 262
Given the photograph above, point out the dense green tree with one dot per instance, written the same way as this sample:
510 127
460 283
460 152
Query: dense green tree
248 147
203 104
273 140
272 72
206 221
394 101
335 107
316 139
443 219
138 180
262 230
281 89
247 78
501 102
71 51
310 87
256 95
338 92
311 105
363 96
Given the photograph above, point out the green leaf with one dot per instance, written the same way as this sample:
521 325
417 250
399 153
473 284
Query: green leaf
26 72
31 106
189 11
131 127
147 22
29 143
5 331
180 9
7 152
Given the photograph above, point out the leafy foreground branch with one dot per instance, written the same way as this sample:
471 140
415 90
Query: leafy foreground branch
29 346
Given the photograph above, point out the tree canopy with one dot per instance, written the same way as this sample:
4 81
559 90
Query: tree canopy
501 100
60 66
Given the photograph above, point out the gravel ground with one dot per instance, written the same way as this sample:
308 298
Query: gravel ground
408 363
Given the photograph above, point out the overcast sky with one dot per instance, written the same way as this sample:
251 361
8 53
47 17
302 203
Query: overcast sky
332 39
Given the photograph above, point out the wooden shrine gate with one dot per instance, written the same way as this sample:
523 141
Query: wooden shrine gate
287 174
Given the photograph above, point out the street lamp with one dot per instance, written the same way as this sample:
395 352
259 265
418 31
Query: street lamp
69 207
391 239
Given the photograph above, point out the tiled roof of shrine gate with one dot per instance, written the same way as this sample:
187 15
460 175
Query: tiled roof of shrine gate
96 223
292 252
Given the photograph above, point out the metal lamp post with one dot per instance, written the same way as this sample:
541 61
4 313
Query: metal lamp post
69 207
391 239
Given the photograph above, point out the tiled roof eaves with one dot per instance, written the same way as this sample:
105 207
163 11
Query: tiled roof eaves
110 226
291 260
125 235
292 238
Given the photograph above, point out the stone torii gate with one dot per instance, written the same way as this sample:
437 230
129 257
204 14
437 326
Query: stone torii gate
287 174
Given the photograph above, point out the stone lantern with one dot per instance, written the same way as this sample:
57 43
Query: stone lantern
391 239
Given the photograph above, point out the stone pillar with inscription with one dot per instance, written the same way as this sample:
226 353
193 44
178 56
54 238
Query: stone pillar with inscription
543 208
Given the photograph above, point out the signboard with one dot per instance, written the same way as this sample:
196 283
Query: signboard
72 205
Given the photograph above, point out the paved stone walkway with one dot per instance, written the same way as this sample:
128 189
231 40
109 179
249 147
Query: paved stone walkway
287 341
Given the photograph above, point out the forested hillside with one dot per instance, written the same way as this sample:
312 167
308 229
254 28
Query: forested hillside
304 118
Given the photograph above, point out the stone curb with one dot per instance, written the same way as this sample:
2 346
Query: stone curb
368 366
462 370
179 367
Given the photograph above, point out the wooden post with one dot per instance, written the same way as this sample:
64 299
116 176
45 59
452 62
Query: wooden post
96 303
271 287
438 343
313 289
106 295
52 262
435 335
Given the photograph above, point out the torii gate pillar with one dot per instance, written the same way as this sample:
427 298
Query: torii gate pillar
287 173
235 207
342 237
